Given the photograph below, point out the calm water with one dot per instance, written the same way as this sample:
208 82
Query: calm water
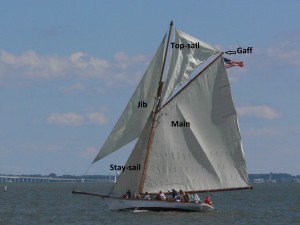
25 203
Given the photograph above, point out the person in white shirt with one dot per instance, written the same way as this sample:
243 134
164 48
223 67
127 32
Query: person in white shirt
161 196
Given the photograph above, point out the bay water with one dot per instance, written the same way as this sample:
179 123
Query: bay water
54 203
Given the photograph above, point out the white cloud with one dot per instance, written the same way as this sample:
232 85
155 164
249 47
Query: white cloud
31 66
74 119
73 89
283 53
89 65
261 111
284 57
66 119
123 60
97 118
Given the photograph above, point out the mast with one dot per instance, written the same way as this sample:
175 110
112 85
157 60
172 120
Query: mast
154 114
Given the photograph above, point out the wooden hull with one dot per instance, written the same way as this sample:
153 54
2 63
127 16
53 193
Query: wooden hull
155 205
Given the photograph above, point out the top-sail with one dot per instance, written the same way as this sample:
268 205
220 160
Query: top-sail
133 119
184 61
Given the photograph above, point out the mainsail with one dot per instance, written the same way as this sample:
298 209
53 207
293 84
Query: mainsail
197 144
189 140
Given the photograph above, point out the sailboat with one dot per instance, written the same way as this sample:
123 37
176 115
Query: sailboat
186 127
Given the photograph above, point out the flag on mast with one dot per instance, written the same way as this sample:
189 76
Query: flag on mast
230 63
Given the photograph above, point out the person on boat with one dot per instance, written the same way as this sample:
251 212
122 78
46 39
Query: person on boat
186 197
208 200
137 195
147 196
195 198
161 196
128 194
180 196
174 194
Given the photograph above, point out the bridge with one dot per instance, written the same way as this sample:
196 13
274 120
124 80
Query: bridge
36 179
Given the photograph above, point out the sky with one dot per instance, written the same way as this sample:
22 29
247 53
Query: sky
68 69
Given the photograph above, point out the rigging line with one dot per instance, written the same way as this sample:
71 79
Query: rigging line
76 185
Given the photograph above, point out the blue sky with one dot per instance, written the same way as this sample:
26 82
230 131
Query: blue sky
68 68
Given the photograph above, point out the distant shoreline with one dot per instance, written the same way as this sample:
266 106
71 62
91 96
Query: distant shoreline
52 178
274 178
278 177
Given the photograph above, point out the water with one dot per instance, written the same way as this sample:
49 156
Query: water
53 203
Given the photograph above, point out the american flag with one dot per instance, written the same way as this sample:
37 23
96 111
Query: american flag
230 63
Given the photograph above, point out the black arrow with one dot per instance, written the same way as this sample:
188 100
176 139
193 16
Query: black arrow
230 52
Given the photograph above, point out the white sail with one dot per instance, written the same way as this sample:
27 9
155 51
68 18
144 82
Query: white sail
130 179
207 154
133 119
183 61
189 138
